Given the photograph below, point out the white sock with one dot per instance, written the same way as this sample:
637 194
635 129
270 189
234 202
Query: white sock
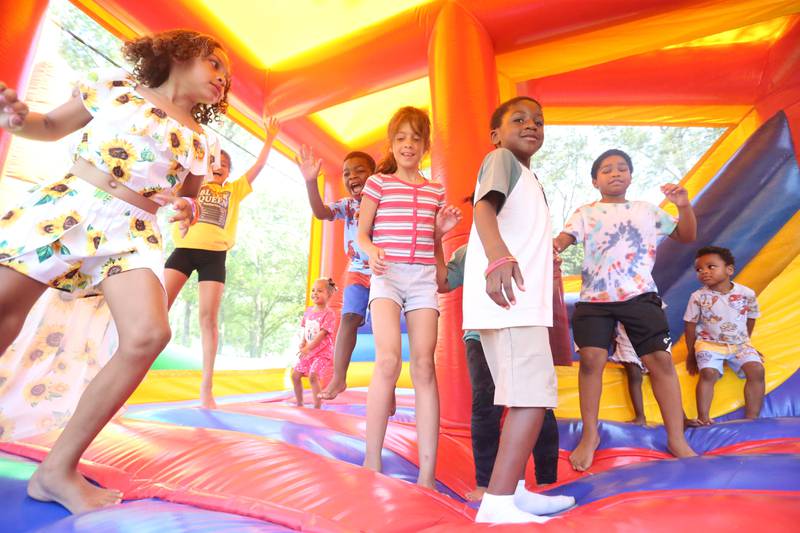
496 509
539 504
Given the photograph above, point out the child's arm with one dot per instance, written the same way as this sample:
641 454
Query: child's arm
686 230
16 118
498 282
271 126
446 220
310 171
751 323
365 219
562 242
308 347
690 333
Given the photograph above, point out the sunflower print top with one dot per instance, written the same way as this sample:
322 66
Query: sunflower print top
137 142
70 235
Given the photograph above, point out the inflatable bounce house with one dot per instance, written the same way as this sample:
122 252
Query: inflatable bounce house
333 72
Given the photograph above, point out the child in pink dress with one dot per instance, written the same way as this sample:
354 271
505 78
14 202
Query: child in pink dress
316 348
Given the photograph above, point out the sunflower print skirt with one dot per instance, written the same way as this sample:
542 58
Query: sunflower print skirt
71 236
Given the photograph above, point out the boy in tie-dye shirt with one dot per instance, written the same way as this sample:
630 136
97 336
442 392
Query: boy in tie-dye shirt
619 238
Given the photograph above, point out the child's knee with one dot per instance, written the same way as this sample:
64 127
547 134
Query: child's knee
423 370
709 375
592 361
387 368
754 372
660 364
296 376
313 378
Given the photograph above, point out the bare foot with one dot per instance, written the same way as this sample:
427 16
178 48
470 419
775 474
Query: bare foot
680 448
476 495
428 483
692 423
639 421
705 421
334 388
317 403
72 491
582 456
376 466
208 403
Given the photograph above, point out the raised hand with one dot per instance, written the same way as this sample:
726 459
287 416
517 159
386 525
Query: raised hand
676 194
12 111
271 125
446 219
305 162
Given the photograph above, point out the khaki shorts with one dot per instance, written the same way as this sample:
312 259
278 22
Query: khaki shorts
521 365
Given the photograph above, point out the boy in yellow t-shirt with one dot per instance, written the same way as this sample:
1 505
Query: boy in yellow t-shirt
205 246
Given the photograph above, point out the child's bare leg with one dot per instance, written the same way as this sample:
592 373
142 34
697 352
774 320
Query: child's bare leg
210 301
519 434
342 352
705 393
667 391
590 387
139 308
314 380
422 326
297 383
753 389
18 293
520 431
634 375
388 362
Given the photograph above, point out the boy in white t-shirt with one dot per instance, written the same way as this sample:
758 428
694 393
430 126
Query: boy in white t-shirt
619 239
509 243
720 318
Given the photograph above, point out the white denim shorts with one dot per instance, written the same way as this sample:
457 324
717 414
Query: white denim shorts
411 286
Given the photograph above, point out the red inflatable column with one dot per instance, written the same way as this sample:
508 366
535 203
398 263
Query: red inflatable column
19 27
464 94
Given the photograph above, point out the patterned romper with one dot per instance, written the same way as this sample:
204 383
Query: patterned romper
71 235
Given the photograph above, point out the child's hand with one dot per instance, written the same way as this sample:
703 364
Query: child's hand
308 167
303 350
271 125
556 252
676 194
183 214
447 219
498 284
691 364
377 261
12 111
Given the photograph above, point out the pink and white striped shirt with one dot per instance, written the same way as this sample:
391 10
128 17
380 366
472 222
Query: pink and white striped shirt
405 218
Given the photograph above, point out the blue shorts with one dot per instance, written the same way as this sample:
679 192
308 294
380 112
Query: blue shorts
356 295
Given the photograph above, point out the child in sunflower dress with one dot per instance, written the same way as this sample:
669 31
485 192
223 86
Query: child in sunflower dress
95 230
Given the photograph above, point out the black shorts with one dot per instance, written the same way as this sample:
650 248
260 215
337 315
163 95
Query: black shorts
646 324
210 264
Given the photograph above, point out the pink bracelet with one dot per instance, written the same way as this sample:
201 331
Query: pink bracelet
497 263
195 209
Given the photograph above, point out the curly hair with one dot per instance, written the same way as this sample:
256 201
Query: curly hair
152 57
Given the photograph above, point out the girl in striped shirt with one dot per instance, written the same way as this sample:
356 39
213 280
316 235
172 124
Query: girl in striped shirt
402 216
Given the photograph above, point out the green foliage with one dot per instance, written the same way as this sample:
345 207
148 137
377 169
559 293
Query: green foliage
80 56
660 155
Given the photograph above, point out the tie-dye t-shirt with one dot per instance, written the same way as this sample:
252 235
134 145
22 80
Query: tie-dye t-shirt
619 246
346 209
